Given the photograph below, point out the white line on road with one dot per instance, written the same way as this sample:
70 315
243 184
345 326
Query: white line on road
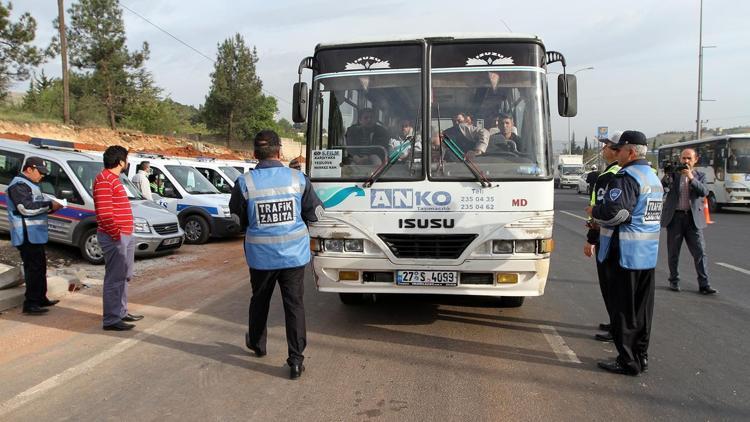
574 215
556 342
86 366
732 267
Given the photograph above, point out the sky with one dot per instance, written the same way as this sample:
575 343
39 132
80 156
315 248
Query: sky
644 52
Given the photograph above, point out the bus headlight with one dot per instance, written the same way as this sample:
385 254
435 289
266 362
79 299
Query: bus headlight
333 245
353 245
546 246
525 246
502 246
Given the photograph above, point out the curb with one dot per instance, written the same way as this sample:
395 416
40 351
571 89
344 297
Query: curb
56 287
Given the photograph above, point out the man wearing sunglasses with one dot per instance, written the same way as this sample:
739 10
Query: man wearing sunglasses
27 215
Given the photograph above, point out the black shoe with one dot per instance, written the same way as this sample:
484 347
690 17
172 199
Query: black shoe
35 310
258 352
606 337
674 287
617 368
49 303
295 371
120 326
605 327
643 360
132 318
708 290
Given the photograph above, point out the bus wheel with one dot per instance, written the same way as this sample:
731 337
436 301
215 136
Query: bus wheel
352 298
511 301
713 206
196 230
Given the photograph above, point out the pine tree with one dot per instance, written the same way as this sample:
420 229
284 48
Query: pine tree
96 42
235 104
17 55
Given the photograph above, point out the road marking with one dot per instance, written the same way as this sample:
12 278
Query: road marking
584 197
732 267
86 366
574 215
556 342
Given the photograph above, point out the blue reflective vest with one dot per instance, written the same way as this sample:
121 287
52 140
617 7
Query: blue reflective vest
36 226
276 236
639 239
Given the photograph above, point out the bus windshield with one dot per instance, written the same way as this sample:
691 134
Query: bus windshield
191 180
738 160
490 110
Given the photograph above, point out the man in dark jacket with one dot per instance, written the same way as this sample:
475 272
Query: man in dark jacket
683 217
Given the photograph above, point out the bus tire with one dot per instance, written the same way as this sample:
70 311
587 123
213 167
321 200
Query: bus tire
511 301
713 206
352 298
90 249
196 230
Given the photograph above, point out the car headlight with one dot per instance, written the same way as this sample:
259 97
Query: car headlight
225 210
140 225
333 245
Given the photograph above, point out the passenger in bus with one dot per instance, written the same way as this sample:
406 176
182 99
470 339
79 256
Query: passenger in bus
503 138
406 135
471 139
367 132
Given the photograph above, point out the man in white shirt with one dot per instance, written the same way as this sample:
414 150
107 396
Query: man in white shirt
140 180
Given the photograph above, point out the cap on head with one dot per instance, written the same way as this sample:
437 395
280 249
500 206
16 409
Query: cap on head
612 139
36 163
266 138
632 137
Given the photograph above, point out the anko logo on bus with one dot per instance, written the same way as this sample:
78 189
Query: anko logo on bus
408 198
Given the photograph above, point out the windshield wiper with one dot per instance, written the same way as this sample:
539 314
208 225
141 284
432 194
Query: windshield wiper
470 164
392 158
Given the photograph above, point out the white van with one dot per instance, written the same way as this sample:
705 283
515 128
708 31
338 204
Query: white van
243 166
71 177
203 211
221 175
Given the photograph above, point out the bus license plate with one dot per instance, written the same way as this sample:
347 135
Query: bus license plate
427 278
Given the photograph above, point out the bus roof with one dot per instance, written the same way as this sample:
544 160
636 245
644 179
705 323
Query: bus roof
478 36
711 139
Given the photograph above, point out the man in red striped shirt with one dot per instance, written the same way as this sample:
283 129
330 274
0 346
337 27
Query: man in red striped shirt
114 218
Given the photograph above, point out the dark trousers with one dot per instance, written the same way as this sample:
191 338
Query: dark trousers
682 227
291 283
631 297
34 273
601 272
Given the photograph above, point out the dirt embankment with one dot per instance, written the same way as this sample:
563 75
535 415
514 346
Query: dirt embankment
98 139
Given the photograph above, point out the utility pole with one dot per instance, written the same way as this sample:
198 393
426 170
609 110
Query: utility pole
64 55
700 73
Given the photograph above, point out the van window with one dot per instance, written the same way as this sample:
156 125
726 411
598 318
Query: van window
58 183
191 180
10 166
161 184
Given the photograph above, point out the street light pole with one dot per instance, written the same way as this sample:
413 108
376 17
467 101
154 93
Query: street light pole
570 141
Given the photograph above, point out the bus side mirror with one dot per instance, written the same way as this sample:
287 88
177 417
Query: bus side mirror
299 106
567 97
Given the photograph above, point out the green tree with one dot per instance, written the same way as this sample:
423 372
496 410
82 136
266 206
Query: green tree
17 55
235 105
96 41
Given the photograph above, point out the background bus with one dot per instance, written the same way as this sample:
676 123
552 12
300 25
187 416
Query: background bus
410 206
726 162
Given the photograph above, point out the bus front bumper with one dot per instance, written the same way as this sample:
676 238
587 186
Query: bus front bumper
531 274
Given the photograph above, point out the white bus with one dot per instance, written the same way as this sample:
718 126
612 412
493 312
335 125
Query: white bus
425 214
726 162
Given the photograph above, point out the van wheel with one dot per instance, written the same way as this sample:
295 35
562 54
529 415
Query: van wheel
511 301
90 249
196 230
352 298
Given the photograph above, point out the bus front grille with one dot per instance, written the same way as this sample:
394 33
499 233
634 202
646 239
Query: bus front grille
427 246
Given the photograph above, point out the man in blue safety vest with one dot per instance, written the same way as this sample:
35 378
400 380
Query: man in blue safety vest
274 204
630 218
27 218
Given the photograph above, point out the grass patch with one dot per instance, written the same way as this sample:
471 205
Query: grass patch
16 115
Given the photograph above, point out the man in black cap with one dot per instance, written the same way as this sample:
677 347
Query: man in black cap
27 215
629 218
276 202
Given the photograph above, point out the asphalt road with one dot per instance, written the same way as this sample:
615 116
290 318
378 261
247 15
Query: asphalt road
401 358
